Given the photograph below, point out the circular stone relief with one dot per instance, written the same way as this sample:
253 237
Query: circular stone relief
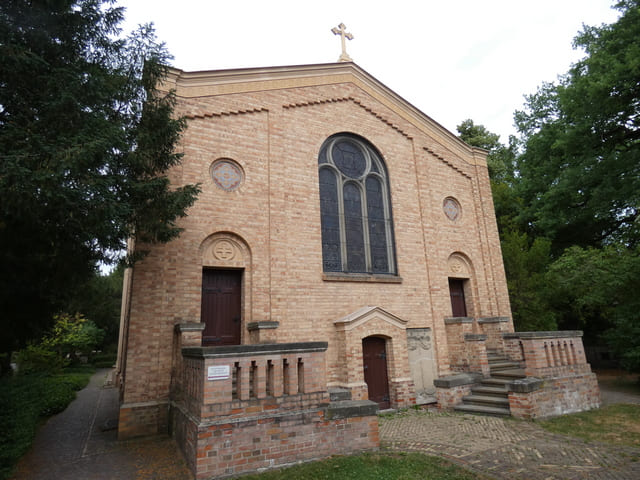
223 250
349 158
451 208
226 174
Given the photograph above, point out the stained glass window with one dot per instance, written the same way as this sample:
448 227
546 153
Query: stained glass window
356 223
330 221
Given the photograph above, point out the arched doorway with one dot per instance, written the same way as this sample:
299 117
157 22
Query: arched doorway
374 359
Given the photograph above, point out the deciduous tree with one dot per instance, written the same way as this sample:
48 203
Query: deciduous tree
580 167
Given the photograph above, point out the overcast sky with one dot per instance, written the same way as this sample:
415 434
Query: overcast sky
452 59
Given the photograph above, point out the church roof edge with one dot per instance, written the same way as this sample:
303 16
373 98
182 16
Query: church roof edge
181 78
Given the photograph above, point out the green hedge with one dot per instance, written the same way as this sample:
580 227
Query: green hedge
24 401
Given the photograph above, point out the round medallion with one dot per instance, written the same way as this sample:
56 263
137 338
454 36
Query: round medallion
455 267
451 208
349 158
223 250
226 174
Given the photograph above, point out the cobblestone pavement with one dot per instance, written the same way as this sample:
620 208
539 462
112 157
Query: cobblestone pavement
80 443
507 448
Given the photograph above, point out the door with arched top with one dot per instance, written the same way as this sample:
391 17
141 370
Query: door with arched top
374 358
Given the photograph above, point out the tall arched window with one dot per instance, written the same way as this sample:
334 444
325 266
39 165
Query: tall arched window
357 230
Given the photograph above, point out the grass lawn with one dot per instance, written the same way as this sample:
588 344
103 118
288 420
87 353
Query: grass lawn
373 466
615 424
619 381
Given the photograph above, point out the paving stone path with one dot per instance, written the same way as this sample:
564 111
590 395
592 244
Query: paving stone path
507 448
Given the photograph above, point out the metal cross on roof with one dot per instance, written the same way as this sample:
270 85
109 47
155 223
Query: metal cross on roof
341 30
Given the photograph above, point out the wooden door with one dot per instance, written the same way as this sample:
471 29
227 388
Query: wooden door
374 357
456 290
221 305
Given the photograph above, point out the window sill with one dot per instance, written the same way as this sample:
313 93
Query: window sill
360 277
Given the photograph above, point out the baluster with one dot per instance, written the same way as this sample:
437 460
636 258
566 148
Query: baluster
269 386
300 376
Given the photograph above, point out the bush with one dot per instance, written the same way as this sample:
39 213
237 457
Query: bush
24 400
104 359
39 359
72 335
60 392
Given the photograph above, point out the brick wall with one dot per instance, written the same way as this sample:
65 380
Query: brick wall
456 329
231 448
256 415
272 122
448 398
559 379
557 396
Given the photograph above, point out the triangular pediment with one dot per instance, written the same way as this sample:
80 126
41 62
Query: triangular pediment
250 80
366 314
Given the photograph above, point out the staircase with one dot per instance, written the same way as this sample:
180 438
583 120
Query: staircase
491 397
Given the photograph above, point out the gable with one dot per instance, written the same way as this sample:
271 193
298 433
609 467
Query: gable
246 83
366 314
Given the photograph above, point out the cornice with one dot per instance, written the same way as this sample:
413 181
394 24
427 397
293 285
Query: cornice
246 80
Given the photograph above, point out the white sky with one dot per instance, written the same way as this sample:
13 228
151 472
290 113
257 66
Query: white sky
452 59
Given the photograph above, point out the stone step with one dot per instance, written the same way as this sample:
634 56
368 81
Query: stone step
511 373
486 390
496 381
483 410
497 358
488 400
503 365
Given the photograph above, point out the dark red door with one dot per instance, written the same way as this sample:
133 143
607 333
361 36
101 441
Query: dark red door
221 300
456 290
374 357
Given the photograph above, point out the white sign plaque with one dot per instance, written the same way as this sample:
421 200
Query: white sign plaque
218 372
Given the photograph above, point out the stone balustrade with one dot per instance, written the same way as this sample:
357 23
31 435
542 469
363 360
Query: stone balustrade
242 408
244 380
558 378
548 354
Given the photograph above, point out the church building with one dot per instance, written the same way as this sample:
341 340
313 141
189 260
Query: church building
342 256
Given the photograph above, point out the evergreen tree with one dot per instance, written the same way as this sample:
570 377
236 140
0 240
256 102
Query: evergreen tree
85 144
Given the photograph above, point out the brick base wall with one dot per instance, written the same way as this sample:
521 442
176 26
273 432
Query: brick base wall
403 393
185 433
228 448
557 396
448 398
140 419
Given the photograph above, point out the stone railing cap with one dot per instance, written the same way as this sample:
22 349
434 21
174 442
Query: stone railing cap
457 380
454 320
475 337
189 327
525 385
493 319
351 409
263 325
251 350
558 334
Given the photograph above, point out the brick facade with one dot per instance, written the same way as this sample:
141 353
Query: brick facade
272 122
